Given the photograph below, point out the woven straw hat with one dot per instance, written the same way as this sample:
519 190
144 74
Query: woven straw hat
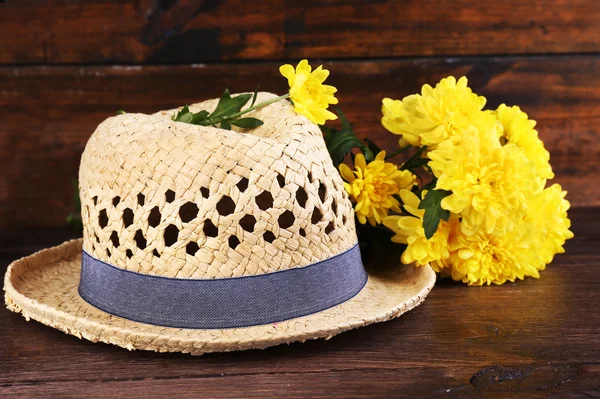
198 239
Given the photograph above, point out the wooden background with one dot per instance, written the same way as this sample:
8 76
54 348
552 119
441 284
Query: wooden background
67 65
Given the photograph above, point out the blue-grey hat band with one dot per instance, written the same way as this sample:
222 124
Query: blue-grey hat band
222 303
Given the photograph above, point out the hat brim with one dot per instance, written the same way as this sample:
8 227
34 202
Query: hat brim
43 287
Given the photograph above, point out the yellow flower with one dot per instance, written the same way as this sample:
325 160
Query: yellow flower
438 114
548 214
484 258
393 119
373 187
409 230
519 129
310 96
488 181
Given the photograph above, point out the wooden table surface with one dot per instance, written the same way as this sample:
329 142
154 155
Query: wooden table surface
533 338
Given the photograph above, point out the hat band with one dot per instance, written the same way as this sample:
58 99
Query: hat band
222 303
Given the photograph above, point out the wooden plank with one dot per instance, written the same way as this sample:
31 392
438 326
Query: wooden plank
530 339
184 31
49 112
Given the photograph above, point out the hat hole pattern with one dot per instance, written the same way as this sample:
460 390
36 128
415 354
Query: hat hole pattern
127 217
102 218
233 242
264 200
269 236
316 216
301 197
330 227
210 230
154 217
171 235
140 240
170 196
188 212
326 212
114 238
281 180
225 206
322 191
286 219
191 248
95 200
242 184
247 223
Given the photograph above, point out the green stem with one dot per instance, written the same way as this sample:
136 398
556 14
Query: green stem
407 165
238 114
259 105
400 151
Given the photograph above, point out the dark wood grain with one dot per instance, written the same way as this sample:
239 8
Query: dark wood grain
185 31
533 338
48 113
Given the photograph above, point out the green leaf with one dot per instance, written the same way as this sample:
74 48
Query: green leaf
327 132
225 125
254 96
199 117
186 118
414 163
432 204
74 218
373 148
121 112
341 142
345 124
369 155
229 105
246 123
182 111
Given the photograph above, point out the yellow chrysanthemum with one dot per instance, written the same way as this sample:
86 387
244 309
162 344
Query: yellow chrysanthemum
548 216
409 230
484 258
438 114
394 117
519 130
373 187
488 181
310 96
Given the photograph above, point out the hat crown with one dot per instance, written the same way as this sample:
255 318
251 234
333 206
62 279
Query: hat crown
177 200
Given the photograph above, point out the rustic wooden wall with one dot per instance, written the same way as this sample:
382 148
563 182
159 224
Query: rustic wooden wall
67 65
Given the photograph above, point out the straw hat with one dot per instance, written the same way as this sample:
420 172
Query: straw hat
198 239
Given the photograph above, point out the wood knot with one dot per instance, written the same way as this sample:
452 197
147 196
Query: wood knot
527 378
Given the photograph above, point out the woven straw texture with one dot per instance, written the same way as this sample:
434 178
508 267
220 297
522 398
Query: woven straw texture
177 200
43 287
